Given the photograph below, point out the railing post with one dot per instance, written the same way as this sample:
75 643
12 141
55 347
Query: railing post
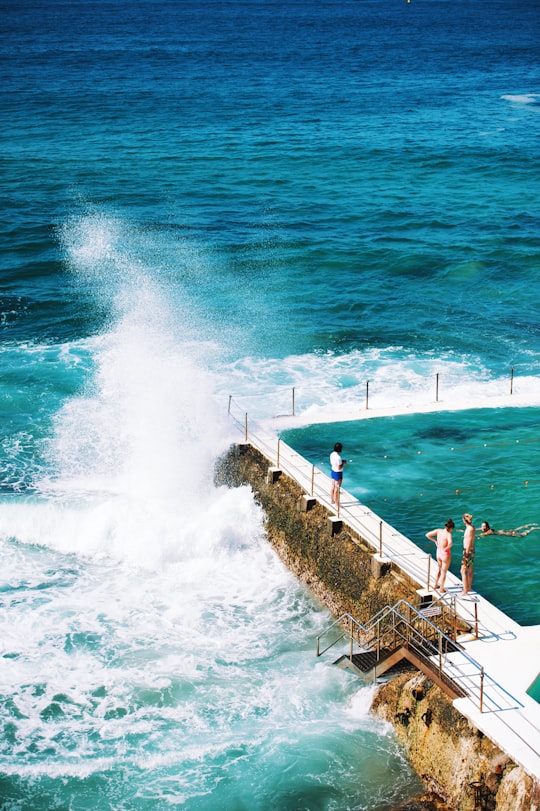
246 428
428 572
229 408
293 401
312 479
351 645
380 538
367 394
481 689
278 448
437 387
512 381
440 654
476 620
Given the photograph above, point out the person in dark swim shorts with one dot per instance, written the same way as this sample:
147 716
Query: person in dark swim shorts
467 559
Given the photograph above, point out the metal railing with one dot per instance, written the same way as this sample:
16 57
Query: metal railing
483 690
286 398
377 534
405 625
383 538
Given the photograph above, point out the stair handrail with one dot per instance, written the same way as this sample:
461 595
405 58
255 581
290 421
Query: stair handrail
397 612
353 622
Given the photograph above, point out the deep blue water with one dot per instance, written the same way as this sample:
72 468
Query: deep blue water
204 199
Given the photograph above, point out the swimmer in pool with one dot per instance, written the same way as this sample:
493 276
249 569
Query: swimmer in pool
518 532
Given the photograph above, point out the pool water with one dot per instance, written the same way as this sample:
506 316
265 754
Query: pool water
415 471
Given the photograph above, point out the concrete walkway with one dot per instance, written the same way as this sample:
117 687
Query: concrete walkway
508 653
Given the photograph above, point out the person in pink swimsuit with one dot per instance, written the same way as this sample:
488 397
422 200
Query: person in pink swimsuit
443 540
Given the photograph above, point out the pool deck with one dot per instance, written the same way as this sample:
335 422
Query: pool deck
505 653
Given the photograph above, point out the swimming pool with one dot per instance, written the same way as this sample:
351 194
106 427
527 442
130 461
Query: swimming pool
415 471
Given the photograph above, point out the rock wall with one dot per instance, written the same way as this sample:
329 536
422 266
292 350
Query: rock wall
336 569
462 769
455 760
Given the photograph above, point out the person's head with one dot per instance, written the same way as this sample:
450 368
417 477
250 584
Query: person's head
450 525
338 447
485 527
467 517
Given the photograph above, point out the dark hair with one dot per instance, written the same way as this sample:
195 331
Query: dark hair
449 524
338 447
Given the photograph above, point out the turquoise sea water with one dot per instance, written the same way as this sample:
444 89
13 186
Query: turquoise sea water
204 199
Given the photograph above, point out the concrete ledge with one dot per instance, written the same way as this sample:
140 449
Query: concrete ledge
273 475
425 598
380 566
306 503
335 524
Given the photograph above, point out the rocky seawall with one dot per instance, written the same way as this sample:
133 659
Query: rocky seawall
462 769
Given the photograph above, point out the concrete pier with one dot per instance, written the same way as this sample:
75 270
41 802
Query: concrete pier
507 654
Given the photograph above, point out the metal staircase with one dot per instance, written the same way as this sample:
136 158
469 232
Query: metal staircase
398 637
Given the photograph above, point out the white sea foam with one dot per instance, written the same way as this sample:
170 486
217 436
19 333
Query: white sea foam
333 386
523 98
143 612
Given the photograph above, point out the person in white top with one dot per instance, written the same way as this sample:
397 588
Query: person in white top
337 464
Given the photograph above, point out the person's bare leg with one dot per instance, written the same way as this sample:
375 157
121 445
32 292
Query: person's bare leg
436 584
466 576
444 569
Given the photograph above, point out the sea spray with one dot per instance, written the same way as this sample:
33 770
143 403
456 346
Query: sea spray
155 650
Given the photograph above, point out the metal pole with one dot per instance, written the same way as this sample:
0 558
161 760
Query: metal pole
428 571
476 620
229 409
437 387
312 479
512 381
278 445
380 538
351 647
246 428
482 689
293 401
367 394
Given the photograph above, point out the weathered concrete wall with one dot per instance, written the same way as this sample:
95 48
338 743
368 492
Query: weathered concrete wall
444 748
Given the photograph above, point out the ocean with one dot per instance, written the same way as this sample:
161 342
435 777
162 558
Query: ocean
205 200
